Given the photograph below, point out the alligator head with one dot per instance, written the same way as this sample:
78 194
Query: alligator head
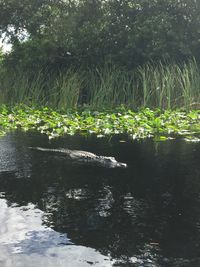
111 162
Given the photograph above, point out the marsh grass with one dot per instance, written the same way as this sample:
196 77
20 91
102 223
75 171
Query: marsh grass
169 86
110 87
165 86
18 87
65 90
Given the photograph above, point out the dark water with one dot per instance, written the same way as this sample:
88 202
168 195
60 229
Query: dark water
55 213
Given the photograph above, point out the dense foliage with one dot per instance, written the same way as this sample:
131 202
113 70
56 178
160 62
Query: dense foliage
153 85
59 33
160 125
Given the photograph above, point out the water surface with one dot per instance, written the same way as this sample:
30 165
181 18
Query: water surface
55 213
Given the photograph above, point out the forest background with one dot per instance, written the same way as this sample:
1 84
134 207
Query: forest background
133 52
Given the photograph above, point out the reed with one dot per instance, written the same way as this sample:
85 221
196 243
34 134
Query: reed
65 90
18 88
169 86
110 86
153 85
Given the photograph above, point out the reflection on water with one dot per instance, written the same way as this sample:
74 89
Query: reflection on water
21 229
54 213
25 241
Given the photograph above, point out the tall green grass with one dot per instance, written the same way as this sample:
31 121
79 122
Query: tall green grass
170 86
110 86
153 85
65 89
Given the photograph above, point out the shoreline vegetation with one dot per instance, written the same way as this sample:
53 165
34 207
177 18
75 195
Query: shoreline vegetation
160 125
88 62
154 85
159 101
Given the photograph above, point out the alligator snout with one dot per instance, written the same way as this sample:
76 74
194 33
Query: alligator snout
118 165
122 165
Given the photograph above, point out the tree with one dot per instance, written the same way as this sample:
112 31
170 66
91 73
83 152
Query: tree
89 32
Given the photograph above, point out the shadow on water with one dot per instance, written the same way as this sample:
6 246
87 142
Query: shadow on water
62 213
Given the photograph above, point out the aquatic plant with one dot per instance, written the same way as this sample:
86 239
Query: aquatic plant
146 123
165 86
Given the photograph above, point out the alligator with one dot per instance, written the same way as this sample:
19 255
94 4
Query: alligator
85 157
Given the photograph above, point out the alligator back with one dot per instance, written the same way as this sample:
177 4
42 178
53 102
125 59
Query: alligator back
50 149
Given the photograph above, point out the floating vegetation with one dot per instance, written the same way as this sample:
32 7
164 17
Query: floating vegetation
146 123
